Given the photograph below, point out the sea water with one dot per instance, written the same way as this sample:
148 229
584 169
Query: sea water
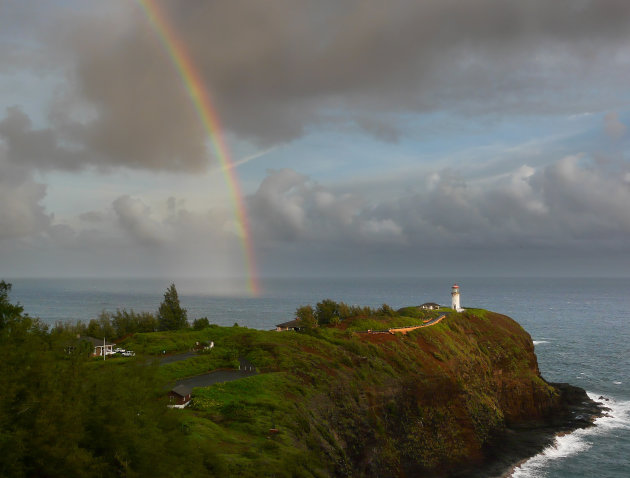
580 328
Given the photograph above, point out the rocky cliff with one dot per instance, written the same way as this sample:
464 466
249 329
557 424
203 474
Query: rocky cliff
462 398
462 392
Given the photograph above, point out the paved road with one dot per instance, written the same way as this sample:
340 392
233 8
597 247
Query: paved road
246 369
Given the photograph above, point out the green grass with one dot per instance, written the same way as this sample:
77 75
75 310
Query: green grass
265 391
333 393
219 358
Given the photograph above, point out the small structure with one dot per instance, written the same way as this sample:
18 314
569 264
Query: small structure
100 346
291 325
179 396
455 298
430 306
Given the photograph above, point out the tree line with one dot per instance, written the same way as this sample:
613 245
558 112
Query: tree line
115 325
330 312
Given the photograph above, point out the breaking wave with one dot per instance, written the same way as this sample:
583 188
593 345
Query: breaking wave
578 441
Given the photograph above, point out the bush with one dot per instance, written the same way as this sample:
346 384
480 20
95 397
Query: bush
200 324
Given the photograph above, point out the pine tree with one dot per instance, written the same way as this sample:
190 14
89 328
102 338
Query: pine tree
171 316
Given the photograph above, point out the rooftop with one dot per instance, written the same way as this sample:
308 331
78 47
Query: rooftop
291 323
182 390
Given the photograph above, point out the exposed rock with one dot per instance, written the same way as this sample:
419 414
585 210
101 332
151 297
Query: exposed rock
472 405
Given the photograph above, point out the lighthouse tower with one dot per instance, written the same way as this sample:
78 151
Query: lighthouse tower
455 298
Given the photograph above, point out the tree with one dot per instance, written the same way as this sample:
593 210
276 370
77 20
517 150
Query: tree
146 322
386 310
326 310
8 311
130 322
344 311
200 324
171 316
306 316
102 326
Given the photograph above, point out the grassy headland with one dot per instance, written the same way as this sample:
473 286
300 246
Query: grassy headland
357 404
330 402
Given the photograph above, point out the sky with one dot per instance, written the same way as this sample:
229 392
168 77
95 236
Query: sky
369 138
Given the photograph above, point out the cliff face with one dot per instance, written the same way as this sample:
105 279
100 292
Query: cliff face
456 388
444 400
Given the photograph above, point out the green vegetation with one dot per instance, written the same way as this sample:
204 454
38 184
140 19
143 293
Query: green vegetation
171 315
200 324
9 313
306 315
333 401
62 416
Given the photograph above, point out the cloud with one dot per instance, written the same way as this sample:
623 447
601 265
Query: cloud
289 207
613 126
136 220
277 70
21 212
92 217
131 237
35 147
567 212
569 202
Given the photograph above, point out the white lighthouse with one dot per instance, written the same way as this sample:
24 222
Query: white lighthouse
455 298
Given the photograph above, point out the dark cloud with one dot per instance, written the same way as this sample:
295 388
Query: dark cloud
35 147
276 69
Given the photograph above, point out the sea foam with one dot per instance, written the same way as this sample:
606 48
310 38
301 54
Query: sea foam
578 441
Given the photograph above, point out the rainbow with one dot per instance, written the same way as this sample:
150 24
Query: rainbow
209 118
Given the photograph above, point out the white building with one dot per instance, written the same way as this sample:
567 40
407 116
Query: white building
100 346
455 305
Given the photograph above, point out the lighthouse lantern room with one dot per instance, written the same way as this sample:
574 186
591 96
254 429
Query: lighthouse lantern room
455 298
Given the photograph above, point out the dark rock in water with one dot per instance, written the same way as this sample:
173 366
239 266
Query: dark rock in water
518 443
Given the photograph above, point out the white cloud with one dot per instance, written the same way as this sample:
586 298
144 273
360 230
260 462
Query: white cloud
21 211
136 220
573 199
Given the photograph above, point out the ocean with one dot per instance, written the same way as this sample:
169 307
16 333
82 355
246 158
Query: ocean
580 328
